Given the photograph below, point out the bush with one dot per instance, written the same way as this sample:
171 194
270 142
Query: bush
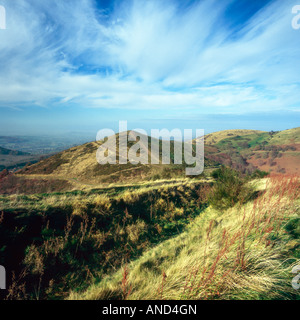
259 174
229 189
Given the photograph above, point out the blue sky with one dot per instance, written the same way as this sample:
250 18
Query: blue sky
83 65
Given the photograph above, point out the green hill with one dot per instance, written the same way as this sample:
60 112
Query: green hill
247 150
214 138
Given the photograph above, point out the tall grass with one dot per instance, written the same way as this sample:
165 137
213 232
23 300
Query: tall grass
246 252
71 241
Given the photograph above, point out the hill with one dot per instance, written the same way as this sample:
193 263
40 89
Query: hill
4 151
14 160
250 150
244 150
113 232
79 166
286 137
214 138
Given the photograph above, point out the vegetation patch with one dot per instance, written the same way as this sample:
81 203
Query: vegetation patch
73 243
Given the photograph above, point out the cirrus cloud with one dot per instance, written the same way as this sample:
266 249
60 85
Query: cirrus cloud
149 55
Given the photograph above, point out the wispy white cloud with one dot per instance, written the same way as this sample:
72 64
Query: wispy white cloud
149 54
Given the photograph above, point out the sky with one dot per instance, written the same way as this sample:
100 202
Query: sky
83 65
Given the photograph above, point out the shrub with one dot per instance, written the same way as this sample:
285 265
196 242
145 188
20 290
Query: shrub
156 177
161 205
259 174
262 163
229 189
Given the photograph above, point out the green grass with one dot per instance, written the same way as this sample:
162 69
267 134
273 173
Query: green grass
251 140
258 139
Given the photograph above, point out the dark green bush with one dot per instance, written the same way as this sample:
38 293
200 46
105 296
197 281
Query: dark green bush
257 174
230 188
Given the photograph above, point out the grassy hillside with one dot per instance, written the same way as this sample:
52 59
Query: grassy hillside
243 150
248 150
290 136
226 237
246 252
78 169
67 240
79 230
214 138
78 166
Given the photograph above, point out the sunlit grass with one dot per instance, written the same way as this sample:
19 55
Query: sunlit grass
242 253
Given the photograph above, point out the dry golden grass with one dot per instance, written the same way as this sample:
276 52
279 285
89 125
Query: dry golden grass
290 136
240 254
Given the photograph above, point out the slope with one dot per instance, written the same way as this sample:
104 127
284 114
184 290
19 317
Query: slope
246 252
268 151
214 138
80 164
